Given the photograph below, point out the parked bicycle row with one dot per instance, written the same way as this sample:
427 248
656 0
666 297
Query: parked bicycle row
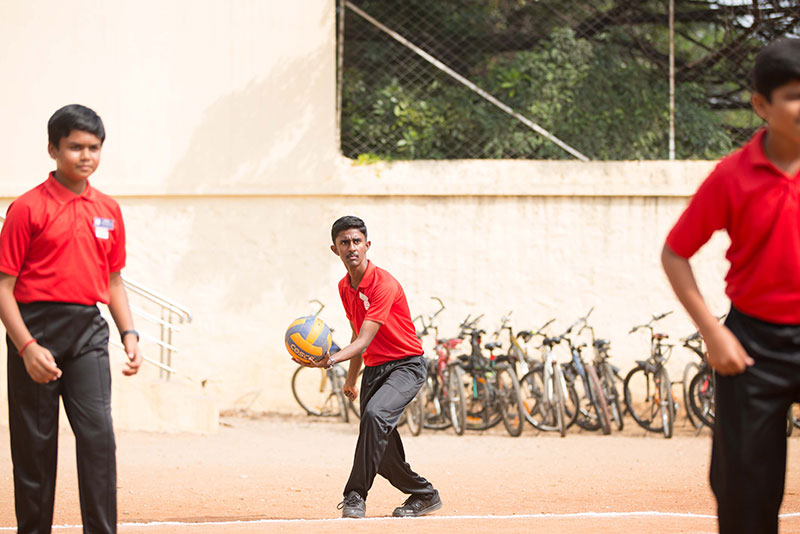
478 380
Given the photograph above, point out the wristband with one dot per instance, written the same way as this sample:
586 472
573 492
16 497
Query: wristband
126 332
25 345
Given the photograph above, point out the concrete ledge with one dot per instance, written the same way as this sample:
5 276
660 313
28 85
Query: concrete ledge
154 405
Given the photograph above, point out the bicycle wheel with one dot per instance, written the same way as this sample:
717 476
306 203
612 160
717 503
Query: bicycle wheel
701 396
796 414
313 391
585 413
598 400
559 388
510 399
691 369
415 413
337 376
539 411
611 394
665 401
434 404
457 407
641 399
475 399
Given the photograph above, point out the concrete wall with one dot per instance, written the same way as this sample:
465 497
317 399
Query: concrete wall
222 151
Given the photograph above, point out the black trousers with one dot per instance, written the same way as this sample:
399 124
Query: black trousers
748 456
385 391
78 338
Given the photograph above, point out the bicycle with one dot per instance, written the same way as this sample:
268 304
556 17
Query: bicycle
320 391
698 385
592 407
517 354
650 382
441 398
608 375
545 388
492 389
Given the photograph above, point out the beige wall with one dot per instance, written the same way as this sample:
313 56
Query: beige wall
222 152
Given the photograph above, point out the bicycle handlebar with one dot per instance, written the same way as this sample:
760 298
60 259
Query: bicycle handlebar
649 324
321 306
437 312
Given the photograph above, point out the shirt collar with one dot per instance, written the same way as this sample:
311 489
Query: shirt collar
64 195
758 158
366 280
755 150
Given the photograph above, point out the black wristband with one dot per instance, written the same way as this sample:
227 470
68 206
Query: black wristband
126 332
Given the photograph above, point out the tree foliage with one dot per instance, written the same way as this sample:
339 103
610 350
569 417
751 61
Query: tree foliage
592 72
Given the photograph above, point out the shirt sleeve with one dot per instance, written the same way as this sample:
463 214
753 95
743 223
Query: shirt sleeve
344 302
117 255
15 238
380 302
707 212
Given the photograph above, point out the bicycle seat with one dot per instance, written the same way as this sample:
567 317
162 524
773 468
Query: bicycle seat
505 358
493 345
660 336
599 343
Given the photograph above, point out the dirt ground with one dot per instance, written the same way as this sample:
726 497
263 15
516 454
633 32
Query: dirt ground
285 474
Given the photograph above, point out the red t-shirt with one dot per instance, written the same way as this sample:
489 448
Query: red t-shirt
62 246
380 298
759 206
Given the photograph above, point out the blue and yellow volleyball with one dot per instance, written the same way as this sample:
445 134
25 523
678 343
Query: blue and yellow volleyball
308 338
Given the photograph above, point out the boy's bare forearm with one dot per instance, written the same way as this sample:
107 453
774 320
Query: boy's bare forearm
353 370
681 277
118 303
9 311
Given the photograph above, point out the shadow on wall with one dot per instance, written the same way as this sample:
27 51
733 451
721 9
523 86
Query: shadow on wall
269 132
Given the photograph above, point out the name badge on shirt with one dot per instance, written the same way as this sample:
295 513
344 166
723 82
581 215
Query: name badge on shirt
102 227
363 297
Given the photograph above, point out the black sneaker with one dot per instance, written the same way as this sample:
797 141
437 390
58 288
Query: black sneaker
353 506
418 505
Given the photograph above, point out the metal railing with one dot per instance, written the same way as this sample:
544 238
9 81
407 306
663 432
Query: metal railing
167 318
170 315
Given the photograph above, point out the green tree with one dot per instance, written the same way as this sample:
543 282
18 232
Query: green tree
594 73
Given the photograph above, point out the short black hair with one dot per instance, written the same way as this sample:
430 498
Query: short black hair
346 223
776 64
74 117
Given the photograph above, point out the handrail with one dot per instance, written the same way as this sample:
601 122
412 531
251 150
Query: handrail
183 312
171 311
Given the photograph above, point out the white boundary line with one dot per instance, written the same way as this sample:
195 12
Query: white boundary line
428 518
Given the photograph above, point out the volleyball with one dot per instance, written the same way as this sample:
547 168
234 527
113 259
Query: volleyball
308 338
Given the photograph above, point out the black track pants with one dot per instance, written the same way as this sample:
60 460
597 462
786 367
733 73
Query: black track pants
385 391
748 458
78 338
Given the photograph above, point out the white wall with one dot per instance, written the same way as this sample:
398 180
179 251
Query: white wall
222 152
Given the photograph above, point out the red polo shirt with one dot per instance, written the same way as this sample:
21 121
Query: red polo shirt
62 246
759 206
380 298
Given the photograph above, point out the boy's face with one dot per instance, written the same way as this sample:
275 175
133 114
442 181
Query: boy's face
351 246
782 111
77 156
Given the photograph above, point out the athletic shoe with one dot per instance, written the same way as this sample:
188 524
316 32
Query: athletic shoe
418 505
353 506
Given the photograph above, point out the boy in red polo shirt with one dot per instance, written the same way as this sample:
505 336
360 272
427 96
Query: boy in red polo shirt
754 194
385 339
61 251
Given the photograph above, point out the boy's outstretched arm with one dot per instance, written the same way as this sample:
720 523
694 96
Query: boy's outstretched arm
725 354
121 313
39 362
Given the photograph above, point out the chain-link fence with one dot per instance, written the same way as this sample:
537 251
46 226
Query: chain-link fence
551 79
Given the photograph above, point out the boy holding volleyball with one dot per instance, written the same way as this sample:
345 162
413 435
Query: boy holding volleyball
754 194
61 251
385 339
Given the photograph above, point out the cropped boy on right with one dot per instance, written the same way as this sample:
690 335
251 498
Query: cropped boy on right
754 195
